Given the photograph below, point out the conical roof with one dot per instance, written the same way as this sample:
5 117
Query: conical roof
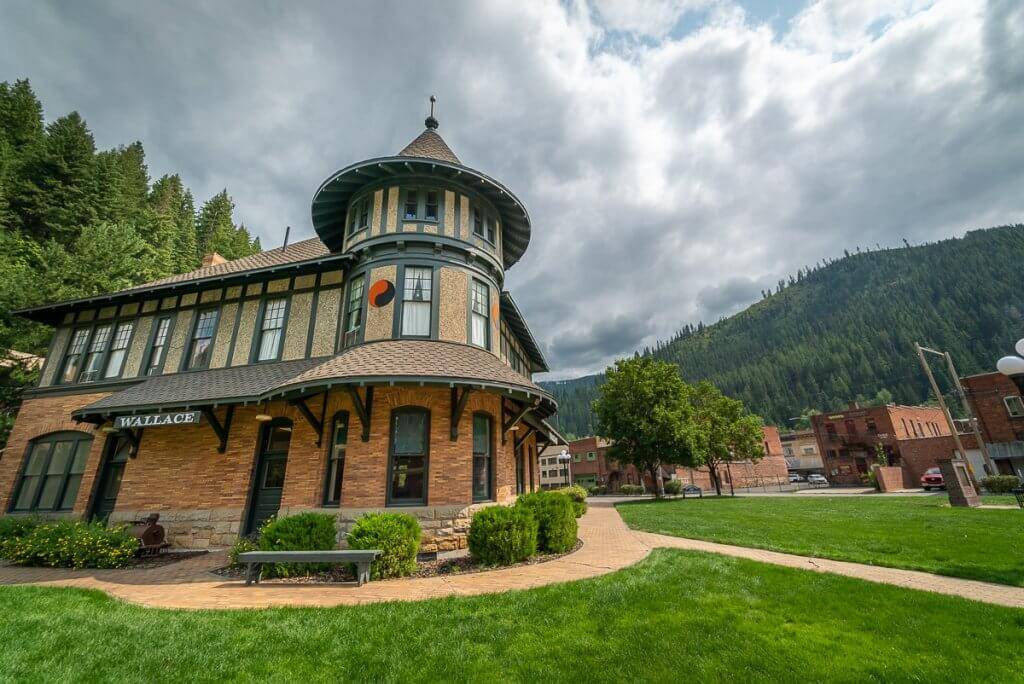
430 145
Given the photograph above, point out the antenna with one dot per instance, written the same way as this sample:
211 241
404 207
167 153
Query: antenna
287 232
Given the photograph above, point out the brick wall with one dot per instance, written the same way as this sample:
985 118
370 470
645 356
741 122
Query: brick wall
986 393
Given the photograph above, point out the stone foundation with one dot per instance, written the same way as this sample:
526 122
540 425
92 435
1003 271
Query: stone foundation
198 529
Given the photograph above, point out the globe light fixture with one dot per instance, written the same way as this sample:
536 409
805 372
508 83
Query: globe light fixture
1013 366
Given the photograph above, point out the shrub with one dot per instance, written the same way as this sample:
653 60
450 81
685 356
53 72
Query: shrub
674 487
556 521
397 535
578 495
631 489
597 489
14 527
73 544
1000 484
241 545
502 535
302 532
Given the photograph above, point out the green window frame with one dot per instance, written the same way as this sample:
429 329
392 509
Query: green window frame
72 363
118 352
417 301
483 223
335 474
273 320
409 456
424 204
480 314
95 353
359 215
158 346
354 311
52 472
483 457
204 333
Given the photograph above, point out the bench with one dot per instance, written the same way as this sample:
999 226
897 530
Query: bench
254 561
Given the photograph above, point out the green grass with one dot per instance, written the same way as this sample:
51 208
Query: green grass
677 615
919 533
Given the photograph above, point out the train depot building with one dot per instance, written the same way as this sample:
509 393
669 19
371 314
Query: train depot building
378 365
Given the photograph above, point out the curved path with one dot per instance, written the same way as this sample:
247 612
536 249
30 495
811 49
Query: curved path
608 545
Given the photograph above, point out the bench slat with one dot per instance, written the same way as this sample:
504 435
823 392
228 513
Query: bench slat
346 556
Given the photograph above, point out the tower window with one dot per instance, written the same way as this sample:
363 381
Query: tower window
416 300
411 204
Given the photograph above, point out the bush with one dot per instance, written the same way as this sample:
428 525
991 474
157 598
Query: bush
674 487
631 489
1000 484
397 535
302 532
597 489
578 495
73 544
556 520
502 535
241 545
14 527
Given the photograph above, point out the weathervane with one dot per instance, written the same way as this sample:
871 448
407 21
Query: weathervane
431 122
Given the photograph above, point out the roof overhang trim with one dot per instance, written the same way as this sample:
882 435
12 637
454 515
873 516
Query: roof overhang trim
515 319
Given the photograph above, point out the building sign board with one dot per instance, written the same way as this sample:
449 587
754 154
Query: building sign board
158 419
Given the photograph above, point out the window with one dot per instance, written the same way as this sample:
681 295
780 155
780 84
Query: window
410 430
73 357
202 340
156 351
416 301
872 427
575 458
271 329
830 429
94 357
1014 406
336 461
431 211
482 457
905 430
52 472
808 450
478 222
411 204
359 216
591 456
354 316
118 350
480 304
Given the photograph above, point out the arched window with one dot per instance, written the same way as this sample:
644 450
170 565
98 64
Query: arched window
52 472
483 457
408 461
336 460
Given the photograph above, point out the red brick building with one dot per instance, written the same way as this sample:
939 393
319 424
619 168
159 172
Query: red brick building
377 365
912 437
771 470
999 408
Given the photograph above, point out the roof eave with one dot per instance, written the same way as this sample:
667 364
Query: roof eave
523 331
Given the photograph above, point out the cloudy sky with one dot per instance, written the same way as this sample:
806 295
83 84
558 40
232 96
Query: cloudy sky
677 156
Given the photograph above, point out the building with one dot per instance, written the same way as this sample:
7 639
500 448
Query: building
912 437
770 470
999 409
554 473
377 365
800 450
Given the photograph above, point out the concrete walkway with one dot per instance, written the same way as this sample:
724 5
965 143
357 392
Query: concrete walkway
608 545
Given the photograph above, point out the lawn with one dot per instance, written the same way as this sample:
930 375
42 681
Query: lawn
919 533
676 615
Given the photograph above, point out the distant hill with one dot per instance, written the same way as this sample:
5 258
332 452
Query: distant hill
847 328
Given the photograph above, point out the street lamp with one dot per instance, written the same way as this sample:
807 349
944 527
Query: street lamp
1013 366
564 457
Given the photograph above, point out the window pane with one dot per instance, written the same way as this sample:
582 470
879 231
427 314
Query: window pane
407 478
271 329
478 223
416 318
280 438
71 492
481 478
37 458
27 493
416 307
418 284
201 338
156 354
73 359
200 354
273 477
481 435
410 433
341 430
270 342
118 350
51 488
431 214
100 338
61 458
364 214
479 331
411 204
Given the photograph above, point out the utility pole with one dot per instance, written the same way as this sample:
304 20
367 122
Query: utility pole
938 396
990 468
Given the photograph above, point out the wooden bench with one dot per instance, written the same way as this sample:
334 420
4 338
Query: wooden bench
254 561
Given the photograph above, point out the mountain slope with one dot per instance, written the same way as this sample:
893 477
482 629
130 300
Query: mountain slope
848 328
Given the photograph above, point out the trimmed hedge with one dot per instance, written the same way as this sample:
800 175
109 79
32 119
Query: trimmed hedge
579 498
631 489
556 520
1000 484
397 535
302 532
674 487
502 535
71 544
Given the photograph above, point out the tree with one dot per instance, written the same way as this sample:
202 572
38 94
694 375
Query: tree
642 408
804 421
123 181
719 430
217 231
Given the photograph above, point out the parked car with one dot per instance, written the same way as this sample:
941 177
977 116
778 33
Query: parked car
817 479
932 478
796 477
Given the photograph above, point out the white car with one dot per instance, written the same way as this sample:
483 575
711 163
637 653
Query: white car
817 479
796 477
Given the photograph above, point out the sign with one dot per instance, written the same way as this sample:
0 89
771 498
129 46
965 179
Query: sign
158 420
382 293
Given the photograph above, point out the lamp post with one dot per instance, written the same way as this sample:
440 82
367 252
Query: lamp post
1013 366
564 457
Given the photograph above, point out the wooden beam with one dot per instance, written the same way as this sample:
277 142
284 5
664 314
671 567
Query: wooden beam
520 441
516 417
314 422
134 438
458 406
363 409
221 430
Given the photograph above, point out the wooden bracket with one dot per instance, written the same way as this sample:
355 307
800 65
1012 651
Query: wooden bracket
314 422
221 430
458 405
520 441
134 438
514 419
363 409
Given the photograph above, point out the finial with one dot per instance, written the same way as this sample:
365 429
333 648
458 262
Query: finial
431 122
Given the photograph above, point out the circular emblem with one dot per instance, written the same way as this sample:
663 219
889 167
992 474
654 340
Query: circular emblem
382 293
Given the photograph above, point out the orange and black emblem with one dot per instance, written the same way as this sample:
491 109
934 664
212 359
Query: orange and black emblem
382 293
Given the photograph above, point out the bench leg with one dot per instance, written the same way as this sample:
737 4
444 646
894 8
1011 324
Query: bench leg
362 573
249 574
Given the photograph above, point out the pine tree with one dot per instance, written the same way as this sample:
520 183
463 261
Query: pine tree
172 206
21 116
123 181
218 233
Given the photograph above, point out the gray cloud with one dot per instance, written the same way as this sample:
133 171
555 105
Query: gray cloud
669 176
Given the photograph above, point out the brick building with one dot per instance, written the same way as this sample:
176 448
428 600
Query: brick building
771 470
800 449
377 365
999 409
913 437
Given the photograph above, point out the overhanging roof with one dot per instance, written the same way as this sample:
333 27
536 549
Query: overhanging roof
330 203
514 317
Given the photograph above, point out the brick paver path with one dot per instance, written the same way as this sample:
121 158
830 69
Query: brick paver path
608 545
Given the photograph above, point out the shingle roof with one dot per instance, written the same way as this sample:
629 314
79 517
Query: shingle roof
243 383
431 145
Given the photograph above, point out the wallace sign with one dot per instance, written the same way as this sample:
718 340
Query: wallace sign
158 420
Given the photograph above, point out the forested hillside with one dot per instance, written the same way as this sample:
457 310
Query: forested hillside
847 328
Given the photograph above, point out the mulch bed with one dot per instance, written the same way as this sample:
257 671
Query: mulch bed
160 560
442 567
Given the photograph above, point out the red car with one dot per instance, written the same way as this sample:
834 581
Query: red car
932 478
